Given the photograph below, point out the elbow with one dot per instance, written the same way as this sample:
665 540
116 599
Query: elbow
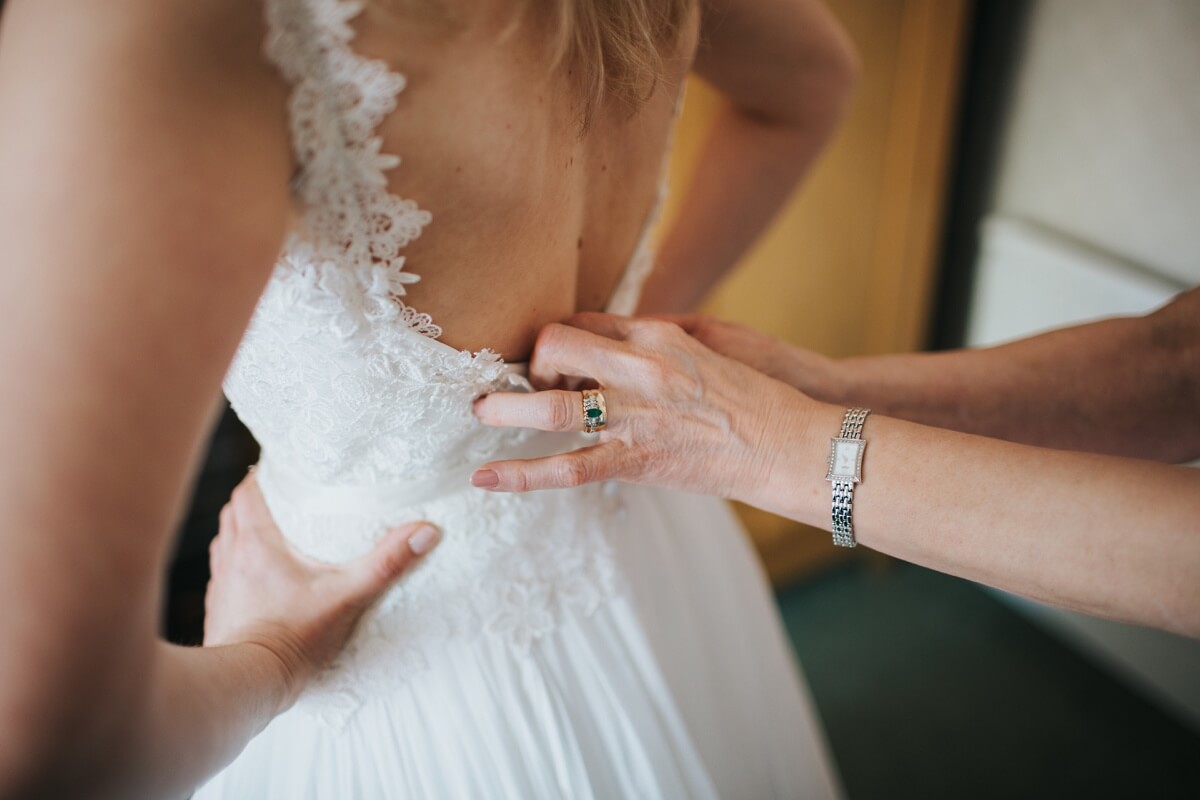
843 71
31 720
824 80
27 763
56 761
74 690
56 738
35 730
41 711
826 66
1172 336
1183 618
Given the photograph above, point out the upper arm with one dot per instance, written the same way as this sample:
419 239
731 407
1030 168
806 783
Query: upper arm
143 196
782 60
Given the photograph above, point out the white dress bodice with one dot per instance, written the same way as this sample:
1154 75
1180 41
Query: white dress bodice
365 418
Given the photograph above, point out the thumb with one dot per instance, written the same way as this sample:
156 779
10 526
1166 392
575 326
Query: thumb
391 557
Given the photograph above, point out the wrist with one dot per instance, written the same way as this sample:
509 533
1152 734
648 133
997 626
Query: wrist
282 660
792 460
820 377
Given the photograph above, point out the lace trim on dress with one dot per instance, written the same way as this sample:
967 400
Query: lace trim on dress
353 224
344 396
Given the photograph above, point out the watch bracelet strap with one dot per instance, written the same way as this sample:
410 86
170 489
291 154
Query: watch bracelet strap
843 509
842 506
852 423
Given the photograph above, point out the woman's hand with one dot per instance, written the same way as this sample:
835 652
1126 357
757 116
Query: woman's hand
812 373
263 592
679 415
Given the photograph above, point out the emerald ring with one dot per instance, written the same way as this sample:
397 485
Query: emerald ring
595 412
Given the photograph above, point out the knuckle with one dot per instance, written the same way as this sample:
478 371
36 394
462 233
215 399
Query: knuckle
580 318
482 408
574 472
549 337
658 330
226 522
704 327
561 412
651 370
391 565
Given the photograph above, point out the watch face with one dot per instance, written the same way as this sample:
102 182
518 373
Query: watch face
845 459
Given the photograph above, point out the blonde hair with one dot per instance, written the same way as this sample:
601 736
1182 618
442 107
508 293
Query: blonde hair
614 49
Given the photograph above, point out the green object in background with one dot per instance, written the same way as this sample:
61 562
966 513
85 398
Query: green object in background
931 688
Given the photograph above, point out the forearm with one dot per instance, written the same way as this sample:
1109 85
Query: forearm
207 703
1105 535
1124 387
747 170
1112 536
785 69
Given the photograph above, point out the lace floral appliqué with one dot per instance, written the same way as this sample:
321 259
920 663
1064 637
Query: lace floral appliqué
346 386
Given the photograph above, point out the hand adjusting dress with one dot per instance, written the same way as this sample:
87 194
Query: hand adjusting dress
604 642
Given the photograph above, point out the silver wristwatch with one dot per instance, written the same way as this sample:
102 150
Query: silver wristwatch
845 470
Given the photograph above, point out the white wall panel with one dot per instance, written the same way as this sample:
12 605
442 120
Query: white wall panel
1103 140
1028 280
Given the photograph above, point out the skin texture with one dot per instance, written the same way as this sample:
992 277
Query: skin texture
533 219
1128 386
130 277
538 220
1110 536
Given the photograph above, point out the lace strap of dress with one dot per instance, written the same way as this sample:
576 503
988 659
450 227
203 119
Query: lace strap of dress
352 223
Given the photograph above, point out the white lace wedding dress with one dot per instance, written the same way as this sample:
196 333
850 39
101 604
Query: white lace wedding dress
605 642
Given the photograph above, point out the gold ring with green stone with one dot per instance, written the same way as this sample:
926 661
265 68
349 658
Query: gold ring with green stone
595 412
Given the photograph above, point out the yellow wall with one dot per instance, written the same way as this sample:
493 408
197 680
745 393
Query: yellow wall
848 266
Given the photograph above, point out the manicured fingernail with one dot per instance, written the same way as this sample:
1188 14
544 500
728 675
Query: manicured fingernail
485 479
425 539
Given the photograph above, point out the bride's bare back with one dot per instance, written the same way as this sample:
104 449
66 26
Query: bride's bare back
533 217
